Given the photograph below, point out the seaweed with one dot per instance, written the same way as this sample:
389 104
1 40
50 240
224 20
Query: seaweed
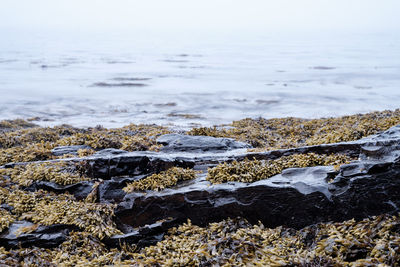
162 180
282 133
249 171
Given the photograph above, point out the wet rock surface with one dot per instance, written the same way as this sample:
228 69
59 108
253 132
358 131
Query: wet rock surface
108 165
189 143
142 236
63 150
26 234
79 190
295 198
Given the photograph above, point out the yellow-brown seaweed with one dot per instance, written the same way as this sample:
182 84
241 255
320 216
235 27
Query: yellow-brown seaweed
249 171
282 133
161 180
369 242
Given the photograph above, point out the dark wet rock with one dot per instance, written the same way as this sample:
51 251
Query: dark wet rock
110 152
7 207
273 202
189 143
73 150
110 191
19 235
143 236
107 165
296 198
80 190
293 202
121 84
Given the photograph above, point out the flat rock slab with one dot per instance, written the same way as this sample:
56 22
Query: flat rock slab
80 190
19 235
290 201
143 236
108 191
189 143
106 166
296 198
73 150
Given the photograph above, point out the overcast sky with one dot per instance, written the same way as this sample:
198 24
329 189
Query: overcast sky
367 15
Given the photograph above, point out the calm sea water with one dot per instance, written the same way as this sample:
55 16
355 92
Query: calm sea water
192 79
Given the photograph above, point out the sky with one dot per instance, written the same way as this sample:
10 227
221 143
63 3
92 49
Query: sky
208 15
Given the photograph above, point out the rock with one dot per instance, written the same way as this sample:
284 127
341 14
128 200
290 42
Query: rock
79 190
18 234
296 198
143 236
109 191
189 143
110 152
108 165
274 202
73 150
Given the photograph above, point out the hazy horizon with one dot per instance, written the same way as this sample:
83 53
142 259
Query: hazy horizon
207 15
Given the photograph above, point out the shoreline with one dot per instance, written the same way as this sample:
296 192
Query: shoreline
146 194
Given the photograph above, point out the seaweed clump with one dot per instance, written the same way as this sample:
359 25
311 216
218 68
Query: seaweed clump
249 171
161 180
283 133
7 125
6 218
21 144
47 208
131 138
58 172
234 242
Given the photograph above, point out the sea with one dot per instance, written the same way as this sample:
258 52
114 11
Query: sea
194 78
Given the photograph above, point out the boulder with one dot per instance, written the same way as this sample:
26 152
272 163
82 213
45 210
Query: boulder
189 143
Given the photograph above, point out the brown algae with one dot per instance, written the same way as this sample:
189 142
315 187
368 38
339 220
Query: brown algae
249 171
62 173
283 133
162 180
235 242
20 144
47 208
6 218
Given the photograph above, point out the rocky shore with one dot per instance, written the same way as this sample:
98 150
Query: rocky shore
278 192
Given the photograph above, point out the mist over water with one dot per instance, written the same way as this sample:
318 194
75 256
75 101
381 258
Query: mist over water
196 78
